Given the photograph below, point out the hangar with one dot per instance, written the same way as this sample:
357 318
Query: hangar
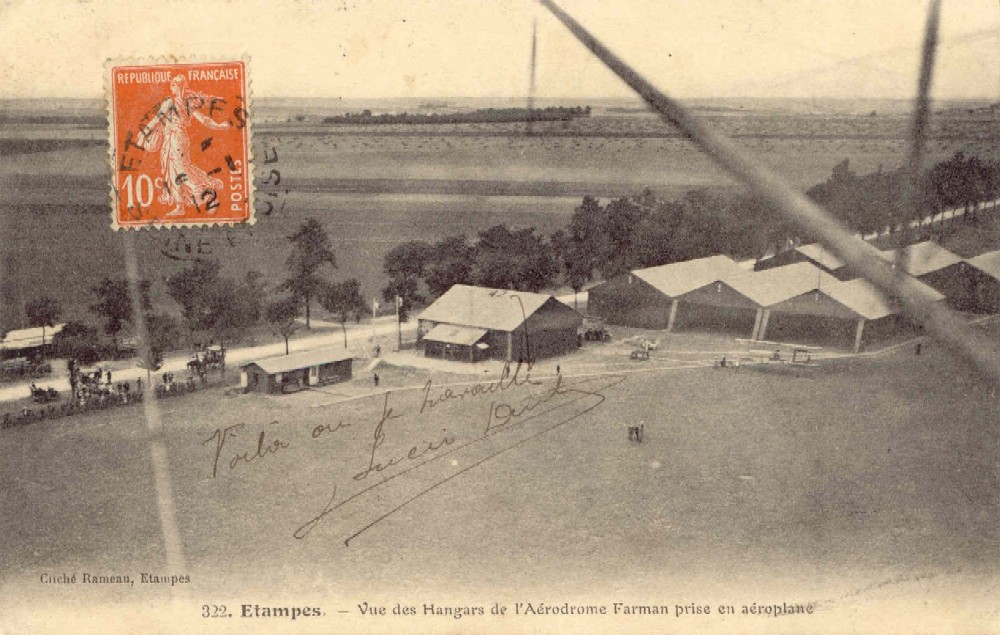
932 264
795 302
876 315
801 302
470 323
650 298
781 289
984 283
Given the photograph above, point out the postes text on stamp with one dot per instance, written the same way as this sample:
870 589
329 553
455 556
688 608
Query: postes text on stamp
180 144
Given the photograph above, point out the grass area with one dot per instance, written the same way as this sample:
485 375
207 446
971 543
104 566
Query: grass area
871 468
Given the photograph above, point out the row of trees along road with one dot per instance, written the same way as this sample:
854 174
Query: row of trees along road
210 304
877 202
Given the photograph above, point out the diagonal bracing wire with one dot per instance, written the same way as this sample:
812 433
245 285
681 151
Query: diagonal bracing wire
913 183
944 324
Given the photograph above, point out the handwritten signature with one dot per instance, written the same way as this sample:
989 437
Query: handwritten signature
501 416
514 400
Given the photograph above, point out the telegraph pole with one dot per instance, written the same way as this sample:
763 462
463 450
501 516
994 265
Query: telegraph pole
399 327
374 309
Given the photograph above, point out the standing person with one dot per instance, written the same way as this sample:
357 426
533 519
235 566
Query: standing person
109 377
376 379
558 370
138 386
74 376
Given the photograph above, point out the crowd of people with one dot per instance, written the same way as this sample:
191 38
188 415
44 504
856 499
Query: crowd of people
95 390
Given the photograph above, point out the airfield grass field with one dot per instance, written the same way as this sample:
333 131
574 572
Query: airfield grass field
880 468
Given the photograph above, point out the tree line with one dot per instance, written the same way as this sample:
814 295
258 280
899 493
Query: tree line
631 232
605 240
482 115
209 306
882 200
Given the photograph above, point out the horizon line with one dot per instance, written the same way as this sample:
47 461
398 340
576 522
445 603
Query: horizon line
989 98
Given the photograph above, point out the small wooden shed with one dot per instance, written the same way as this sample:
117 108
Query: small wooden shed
289 373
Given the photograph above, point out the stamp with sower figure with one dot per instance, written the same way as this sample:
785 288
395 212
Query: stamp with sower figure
180 144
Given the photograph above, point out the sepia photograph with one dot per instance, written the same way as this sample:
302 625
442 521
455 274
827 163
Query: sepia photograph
512 316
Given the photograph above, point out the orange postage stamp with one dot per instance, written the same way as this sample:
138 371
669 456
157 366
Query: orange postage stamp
180 144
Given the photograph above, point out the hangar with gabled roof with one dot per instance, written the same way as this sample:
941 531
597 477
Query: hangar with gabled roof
802 302
781 289
881 315
470 323
650 297
932 264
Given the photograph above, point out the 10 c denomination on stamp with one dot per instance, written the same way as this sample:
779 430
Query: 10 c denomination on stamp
180 144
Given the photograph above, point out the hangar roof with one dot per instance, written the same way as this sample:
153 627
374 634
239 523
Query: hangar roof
923 258
481 307
822 255
870 303
678 278
298 361
988 263
771 286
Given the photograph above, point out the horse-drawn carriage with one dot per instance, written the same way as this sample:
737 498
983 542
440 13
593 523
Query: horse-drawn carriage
43 395
593 330
209 358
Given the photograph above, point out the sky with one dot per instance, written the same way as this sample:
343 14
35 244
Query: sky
481 48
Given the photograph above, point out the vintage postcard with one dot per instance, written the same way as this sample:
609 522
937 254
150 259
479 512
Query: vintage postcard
499 317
